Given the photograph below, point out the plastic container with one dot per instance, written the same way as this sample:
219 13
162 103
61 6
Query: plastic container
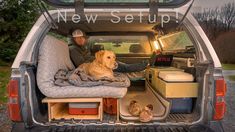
83 108
181 106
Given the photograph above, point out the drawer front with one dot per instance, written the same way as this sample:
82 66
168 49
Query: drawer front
83 111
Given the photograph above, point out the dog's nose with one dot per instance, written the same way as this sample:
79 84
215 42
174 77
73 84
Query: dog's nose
115 65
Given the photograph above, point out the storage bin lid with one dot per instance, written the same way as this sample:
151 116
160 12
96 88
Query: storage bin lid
83 105
176 76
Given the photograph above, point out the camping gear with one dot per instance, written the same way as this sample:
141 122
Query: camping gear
110 106
83 108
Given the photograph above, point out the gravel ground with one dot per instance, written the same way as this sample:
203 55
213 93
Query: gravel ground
5 123
228 122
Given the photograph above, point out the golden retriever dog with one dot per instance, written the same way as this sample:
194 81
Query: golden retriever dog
102 66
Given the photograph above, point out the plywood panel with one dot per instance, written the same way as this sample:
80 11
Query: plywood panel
58 108
178 90
47 100
64 114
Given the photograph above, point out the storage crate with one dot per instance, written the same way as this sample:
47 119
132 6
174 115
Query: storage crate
83 108
59 108
181 106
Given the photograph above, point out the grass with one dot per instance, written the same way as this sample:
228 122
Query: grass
228 66
4 78
232 78
3 63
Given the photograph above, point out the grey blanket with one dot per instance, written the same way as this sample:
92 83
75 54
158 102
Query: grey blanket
78 78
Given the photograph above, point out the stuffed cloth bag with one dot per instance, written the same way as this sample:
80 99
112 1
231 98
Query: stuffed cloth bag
110 106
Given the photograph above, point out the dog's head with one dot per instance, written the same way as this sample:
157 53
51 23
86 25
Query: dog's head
106 58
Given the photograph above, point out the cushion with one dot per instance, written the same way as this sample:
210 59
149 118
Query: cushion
175 76
54 55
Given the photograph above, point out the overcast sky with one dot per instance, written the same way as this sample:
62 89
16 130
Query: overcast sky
200 4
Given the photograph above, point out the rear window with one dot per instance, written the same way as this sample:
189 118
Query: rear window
176 41
121 44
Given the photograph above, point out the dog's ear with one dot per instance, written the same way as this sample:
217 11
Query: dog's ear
99 56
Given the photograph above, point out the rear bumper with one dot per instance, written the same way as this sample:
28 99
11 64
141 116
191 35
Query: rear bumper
216 126
19 127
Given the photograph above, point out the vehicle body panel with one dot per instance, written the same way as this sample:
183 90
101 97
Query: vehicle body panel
25 52
205 53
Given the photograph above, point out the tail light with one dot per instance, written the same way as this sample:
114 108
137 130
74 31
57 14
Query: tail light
220 106
13 100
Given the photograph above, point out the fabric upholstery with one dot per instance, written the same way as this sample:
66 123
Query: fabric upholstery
54 55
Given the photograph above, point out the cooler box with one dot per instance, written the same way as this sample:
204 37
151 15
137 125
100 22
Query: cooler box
184 80
83 108
172 82
181 106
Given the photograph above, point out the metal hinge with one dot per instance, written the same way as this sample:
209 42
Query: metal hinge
79 9
153 9
45 12
187 11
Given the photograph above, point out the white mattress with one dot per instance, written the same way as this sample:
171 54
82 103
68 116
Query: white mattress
175 76
54 55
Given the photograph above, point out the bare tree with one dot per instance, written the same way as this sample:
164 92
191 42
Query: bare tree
228 15
218 24
215 21
210 21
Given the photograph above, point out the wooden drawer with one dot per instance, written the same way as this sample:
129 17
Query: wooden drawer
59 108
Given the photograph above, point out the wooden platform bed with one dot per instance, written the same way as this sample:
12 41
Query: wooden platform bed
58 108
